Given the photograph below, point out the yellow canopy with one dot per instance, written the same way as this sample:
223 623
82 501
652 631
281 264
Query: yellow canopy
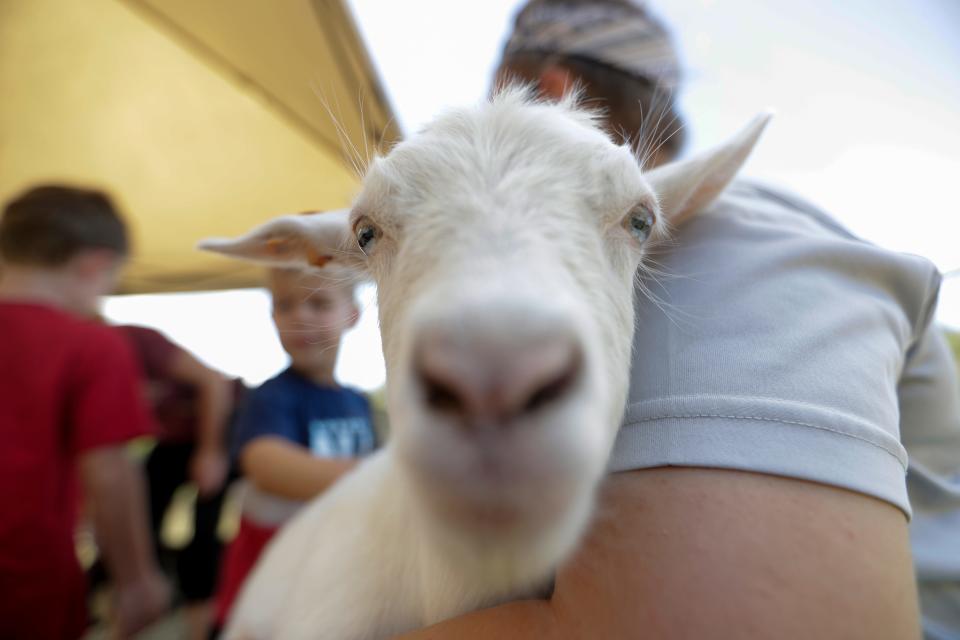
201 117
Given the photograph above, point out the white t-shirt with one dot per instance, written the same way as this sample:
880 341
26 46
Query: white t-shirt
780 343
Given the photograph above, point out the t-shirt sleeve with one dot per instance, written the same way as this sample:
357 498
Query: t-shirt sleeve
930 424
108 405
266 412
776 345
154 350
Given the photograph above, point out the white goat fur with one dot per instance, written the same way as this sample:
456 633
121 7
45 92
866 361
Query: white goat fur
498 224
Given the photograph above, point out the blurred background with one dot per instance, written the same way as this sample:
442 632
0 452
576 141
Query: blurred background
867 96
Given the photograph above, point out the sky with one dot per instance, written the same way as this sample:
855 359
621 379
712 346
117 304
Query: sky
867 96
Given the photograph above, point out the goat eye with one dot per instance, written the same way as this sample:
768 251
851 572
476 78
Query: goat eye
367 235
640 223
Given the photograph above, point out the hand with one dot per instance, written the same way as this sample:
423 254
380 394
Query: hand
208 470
138 604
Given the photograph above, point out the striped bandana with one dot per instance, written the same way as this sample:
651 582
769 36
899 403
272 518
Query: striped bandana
626 38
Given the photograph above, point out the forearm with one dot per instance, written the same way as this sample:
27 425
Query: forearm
284 469
214 400
115 490
687 552
214 403
517 620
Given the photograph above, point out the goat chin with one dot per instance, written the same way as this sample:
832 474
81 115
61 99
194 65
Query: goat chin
373 568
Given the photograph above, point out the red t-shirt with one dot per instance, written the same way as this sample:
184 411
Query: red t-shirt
173 402
67 386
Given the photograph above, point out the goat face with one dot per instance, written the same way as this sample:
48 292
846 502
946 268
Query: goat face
504 241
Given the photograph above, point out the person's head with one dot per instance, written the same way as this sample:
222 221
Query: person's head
75 234
620 56
311 312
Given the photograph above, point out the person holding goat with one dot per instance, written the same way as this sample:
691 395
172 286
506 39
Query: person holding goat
802 369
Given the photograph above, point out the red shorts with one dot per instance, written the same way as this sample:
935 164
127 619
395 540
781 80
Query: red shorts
239 559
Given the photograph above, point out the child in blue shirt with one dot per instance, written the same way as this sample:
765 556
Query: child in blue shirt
299 431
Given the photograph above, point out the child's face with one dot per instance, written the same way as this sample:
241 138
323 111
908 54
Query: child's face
310 316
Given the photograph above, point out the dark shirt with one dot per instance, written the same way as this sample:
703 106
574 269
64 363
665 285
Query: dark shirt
332 422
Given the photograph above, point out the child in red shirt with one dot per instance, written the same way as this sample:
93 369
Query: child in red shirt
69 400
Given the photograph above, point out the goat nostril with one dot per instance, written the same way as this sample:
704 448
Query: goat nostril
441 397
555 388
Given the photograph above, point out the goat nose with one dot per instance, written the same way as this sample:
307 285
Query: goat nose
495 380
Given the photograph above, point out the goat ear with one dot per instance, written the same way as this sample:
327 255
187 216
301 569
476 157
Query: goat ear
311 239
687 187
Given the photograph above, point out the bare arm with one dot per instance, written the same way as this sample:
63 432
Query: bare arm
697 553
209 466
115 491
277 466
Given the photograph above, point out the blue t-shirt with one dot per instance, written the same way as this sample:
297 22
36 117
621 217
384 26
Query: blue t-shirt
332 422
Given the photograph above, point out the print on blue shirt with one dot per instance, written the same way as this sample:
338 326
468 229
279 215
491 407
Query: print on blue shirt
333 422
340 437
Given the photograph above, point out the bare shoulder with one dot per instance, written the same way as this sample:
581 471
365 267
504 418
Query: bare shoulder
680 552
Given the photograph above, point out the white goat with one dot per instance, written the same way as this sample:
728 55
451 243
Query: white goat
504 242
